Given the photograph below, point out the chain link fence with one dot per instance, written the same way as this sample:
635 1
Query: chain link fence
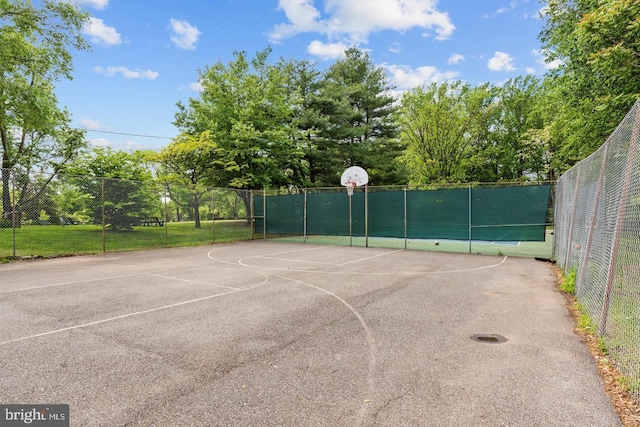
597 235
54 215
490 218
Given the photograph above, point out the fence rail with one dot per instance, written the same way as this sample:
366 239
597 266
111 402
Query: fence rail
507 218
597 235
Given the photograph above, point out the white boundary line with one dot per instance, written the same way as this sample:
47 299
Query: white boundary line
241 262
71 283
195 282
371 342
137 313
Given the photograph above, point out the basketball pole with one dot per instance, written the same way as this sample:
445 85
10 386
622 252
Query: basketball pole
366 216
350 221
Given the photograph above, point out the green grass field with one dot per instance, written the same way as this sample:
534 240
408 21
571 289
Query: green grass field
46 241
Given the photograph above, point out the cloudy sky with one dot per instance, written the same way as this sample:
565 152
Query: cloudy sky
146 54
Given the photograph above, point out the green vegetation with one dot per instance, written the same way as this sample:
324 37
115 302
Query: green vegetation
568 283
58 240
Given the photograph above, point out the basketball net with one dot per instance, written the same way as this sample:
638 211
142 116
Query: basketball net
350 186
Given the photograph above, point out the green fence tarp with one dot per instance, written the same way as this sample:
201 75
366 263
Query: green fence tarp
514 213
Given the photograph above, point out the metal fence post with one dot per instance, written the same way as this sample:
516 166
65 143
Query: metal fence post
14 216
470 220
104 231
405 215
213 215
304 217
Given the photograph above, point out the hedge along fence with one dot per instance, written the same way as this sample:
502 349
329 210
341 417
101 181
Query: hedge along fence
495 212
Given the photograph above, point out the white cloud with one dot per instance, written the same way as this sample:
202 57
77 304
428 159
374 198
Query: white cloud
327 50
196 86
540 59
501 62
101 33
354 20
99 142
405 77
94 4
455 58
185 35
395 48
127 73
90 124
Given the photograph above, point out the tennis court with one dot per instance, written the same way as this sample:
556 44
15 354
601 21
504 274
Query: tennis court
285 334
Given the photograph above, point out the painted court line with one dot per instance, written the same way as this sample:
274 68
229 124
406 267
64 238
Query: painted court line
195 282
137 313
70 283
369 257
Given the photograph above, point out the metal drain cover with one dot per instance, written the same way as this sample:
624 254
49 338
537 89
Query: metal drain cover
489 338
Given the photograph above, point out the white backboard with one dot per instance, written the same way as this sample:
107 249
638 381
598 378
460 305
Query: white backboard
354 174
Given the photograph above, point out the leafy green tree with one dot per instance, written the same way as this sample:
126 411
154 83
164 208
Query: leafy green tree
356 122
196 162
248 108
118 185
35 51
441 126
516 153
597 43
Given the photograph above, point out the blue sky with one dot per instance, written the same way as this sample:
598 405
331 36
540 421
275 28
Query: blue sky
146 54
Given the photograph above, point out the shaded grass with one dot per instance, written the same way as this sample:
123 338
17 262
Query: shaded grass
45 241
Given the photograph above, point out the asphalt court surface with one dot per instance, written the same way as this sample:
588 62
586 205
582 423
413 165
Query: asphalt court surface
277 334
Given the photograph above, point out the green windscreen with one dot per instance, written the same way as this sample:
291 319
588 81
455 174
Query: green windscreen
515 213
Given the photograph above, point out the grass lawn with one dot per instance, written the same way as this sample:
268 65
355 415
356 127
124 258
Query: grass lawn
59 240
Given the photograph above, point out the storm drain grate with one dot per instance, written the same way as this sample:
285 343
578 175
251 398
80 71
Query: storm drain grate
489 338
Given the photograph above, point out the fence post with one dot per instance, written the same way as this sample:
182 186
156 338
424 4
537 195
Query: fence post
252 213
470 220
304 217
405 215
104 232
14 217
166 217
264 213
213 215
621 212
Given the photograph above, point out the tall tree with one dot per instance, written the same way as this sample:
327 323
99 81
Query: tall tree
441 124
597 43
194 162
35 51
360 125
117 185
249 106
519 156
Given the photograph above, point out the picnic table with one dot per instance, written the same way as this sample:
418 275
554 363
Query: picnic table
154 220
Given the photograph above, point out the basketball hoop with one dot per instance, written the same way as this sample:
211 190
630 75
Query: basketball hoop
354 177
350 186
